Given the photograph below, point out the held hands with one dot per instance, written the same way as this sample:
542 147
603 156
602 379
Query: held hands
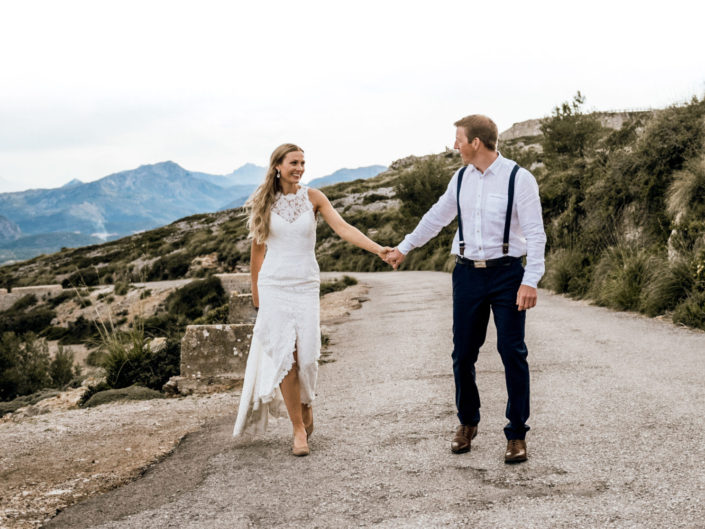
391 256
394 258
383 252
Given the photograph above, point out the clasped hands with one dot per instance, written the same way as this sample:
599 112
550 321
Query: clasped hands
391 256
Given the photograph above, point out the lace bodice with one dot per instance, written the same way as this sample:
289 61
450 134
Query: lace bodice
290 260
291 206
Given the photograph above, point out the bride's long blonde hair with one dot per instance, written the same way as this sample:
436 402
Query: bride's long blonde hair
259 205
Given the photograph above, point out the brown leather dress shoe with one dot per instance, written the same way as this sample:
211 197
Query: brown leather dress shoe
463 436
516 451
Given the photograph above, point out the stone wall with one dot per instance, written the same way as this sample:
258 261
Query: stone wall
41 291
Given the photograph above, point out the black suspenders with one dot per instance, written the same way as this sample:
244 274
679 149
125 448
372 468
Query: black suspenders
507 219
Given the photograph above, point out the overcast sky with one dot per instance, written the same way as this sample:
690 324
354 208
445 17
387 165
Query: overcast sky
88 88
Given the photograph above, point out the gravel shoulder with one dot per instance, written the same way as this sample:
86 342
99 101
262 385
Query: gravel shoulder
617 404
54 455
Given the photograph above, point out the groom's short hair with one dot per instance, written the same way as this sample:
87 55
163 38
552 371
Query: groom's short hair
479 126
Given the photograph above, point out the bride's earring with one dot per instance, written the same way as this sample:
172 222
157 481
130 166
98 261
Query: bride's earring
279 175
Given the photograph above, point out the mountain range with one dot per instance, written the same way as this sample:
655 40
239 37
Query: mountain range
347 175
124 203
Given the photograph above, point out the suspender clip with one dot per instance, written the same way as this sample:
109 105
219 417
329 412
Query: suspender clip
462 248
505 248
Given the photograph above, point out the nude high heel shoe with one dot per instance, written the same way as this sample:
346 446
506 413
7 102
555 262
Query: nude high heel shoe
300 450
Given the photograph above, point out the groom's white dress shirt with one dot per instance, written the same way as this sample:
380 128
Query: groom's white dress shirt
483 205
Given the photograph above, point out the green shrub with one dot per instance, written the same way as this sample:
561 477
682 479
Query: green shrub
214 316
79 331
62 369
129 393
128 359
54 332
620 277
373 197
23 303
125 356
58 300
172 266
35 320
84 277
669 284
191 299
686 205
24 365
691 311
121 288
569 134
95 358
337 284
420 188
568 272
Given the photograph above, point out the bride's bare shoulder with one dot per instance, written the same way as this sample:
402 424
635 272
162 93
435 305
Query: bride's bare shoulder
316 196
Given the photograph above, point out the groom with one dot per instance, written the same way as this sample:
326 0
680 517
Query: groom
499 221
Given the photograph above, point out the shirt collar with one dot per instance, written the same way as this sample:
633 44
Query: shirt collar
493 167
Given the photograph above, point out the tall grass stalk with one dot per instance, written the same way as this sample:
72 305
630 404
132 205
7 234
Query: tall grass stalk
621 275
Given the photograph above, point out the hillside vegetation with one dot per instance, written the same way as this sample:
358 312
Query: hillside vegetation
624 211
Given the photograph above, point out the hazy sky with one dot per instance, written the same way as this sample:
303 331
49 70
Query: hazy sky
88 88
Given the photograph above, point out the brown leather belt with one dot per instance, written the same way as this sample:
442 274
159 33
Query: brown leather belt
486 263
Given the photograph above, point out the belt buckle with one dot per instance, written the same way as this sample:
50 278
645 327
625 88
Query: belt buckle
480 264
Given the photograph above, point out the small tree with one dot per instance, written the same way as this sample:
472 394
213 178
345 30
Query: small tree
24 365
568 134
62 368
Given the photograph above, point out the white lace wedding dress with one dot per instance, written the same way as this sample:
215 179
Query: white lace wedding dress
288 317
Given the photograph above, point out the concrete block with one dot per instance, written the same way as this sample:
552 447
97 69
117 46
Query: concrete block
214 350
241 309
236 282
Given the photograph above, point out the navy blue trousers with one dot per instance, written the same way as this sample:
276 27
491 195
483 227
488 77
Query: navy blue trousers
475 292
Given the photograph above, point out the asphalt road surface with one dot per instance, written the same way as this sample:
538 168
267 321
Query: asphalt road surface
618 414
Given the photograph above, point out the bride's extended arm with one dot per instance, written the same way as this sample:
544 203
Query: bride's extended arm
256 258
342 228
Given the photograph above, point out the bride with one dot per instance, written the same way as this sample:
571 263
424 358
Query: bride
283 361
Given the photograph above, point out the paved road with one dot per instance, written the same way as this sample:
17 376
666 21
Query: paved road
616 441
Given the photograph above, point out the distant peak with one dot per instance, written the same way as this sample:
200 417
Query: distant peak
72 183
248 167
167 163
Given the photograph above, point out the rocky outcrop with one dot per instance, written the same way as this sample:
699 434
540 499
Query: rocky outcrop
532 127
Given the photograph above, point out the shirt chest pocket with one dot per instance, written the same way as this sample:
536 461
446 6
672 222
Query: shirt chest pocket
496 203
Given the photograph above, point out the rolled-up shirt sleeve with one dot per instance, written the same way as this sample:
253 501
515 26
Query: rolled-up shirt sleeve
528 206
438 217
